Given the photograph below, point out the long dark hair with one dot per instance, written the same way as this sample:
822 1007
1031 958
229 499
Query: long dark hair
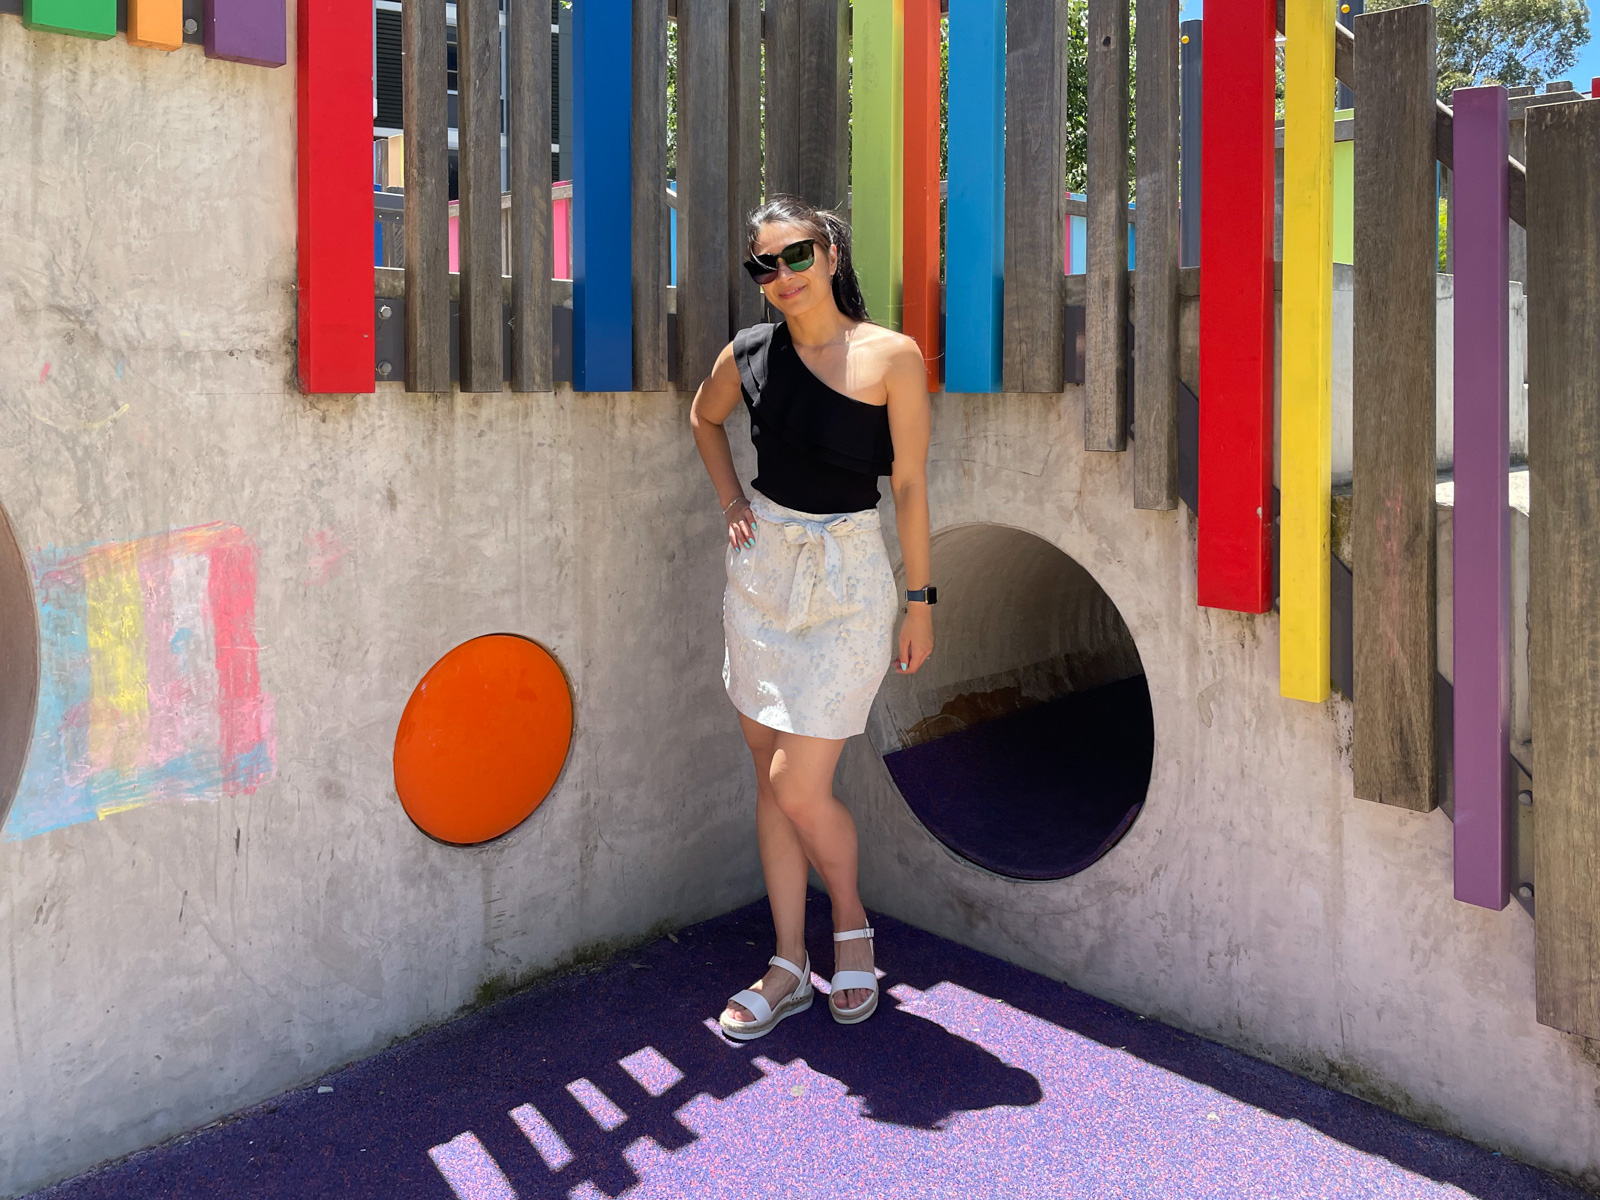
831 229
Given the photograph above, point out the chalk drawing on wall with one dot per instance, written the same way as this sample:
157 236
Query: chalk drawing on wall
150 688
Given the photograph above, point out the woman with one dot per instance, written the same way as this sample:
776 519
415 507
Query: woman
809 611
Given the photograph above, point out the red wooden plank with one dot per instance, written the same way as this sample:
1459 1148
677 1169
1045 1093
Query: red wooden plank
920 268
334 66
1236 201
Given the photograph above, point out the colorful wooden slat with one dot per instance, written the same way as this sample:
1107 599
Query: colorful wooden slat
745 304
1155 315
528 152
1563 212
81 18
482 337
975 204
920 288
1481 555
1306 469
652 229
156 24
255 32
427 196
1393 746
877 199
1236 308
1189 154
334 166
602 196
1105 397
703 216
1033 310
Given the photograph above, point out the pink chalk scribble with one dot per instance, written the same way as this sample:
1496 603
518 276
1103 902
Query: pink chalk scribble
325 556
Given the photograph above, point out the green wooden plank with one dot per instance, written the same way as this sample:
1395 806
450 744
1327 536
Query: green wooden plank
81 18
877 198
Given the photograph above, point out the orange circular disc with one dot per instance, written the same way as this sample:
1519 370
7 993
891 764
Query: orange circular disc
482 739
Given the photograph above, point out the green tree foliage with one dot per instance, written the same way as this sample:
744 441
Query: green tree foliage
1513 42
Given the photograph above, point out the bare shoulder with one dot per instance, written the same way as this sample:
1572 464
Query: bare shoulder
893 350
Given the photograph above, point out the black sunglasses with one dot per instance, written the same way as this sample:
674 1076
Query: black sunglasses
799 255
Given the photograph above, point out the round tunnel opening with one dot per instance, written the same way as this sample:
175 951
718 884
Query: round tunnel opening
1025 743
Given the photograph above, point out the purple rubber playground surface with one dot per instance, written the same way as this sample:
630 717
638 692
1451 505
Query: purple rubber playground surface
975 1079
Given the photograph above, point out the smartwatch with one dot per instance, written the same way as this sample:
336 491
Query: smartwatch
927 595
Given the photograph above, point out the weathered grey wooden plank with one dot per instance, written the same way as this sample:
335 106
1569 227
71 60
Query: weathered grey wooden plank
702 187
1393 547
1105 404
532 253
1563 148
783 97
652 249
1155 301
427 200
822 54
478 182
744 152
1035 192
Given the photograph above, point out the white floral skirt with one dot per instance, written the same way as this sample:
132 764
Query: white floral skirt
809 620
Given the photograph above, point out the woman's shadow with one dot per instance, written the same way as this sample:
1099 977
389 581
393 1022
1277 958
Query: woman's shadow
906 1069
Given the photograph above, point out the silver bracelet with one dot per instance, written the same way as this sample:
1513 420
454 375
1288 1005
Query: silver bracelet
730 504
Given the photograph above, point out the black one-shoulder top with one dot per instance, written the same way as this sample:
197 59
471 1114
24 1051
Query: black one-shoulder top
817 450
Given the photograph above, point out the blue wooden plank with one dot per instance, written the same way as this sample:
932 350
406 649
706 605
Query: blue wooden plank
975 215
602 196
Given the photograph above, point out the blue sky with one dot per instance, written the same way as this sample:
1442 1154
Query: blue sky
1586 68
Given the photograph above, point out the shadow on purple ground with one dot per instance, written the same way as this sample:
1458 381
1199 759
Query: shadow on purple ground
372 1135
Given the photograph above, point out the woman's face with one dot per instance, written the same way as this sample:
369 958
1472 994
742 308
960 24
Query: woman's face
793 293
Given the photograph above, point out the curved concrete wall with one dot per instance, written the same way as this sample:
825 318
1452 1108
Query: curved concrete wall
1255 900
19 663
167 965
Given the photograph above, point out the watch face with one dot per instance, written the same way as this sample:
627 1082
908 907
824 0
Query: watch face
933 594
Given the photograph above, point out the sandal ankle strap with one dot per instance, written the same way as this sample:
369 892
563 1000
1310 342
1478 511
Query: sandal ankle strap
799 973
850 935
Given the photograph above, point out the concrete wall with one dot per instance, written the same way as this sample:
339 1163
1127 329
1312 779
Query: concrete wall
1254 900
167 965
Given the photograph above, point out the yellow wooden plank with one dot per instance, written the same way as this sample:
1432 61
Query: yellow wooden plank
1307 434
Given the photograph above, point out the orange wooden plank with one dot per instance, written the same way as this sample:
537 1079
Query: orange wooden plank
157 24
921 253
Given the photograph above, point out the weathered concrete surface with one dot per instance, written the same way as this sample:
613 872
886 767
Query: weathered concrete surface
165 966
1254 900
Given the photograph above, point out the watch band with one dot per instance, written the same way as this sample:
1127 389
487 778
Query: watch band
927 595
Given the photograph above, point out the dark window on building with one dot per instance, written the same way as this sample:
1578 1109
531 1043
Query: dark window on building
390 94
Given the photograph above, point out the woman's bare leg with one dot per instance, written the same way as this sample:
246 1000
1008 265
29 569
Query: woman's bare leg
783 863
802 790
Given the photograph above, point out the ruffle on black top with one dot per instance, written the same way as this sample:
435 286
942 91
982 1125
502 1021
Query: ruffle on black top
787 399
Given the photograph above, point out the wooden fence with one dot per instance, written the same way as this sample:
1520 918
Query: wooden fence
1009 326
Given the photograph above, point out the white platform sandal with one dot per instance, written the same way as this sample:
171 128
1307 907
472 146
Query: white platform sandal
766 1016
845 981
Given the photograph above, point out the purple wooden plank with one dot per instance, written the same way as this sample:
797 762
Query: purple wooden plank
247 31
1482 534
